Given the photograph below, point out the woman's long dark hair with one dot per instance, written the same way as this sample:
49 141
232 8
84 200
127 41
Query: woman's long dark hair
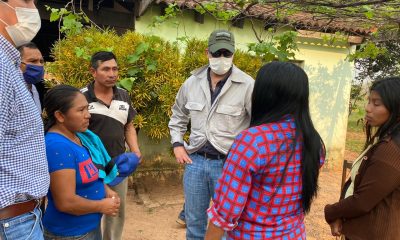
389 91
59 98
280 89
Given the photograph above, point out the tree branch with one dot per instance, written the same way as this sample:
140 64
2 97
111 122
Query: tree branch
354 4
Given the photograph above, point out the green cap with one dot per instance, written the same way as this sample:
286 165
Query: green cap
221 39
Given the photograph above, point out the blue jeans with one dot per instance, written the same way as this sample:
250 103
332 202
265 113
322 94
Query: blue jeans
27 226
199 181
93 235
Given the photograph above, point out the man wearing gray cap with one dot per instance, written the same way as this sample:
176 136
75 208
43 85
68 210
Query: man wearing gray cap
216 100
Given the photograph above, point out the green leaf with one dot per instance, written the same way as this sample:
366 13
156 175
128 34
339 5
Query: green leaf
126 83
211 7
200 9
64 11
151 65
367 50
369 15
79 52
142 47
133 58
133 71
366 8
171 10
54 16
70 17
86 18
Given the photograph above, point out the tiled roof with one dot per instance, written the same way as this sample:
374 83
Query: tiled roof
299 20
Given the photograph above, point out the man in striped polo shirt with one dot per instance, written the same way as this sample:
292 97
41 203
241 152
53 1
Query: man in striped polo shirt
111 119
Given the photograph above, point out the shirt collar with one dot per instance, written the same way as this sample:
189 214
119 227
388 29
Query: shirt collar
92 95
10 51
222 81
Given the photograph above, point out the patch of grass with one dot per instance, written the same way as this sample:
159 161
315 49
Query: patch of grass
355 137
355 145
356 119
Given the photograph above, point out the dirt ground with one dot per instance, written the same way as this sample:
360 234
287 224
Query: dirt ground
154 216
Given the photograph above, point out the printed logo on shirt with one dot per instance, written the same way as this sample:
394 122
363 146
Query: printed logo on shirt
91 107
122 107
88 171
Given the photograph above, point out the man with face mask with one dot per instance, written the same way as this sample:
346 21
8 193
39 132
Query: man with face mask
216 100
24 177
32 63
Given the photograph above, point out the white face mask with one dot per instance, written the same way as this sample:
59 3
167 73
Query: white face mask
27 27
220 65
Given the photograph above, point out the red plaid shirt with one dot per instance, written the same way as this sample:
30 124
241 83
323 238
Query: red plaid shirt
248 202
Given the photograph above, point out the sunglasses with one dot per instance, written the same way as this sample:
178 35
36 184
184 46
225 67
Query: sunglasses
219 53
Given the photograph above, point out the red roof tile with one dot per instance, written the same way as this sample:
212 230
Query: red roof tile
299 20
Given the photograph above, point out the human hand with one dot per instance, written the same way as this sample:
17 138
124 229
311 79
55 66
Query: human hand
110 193
139 154
336 227
110 206
181 155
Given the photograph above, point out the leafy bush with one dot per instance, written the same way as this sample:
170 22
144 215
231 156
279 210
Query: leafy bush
247 62
151 69
152 65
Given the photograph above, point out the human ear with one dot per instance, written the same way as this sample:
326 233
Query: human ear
59 116
92 71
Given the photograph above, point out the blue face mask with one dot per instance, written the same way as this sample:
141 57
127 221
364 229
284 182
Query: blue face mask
33 74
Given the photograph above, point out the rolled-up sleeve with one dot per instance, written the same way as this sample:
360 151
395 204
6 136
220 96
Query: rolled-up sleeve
233 187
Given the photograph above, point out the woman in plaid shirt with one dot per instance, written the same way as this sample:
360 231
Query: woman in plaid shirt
270 176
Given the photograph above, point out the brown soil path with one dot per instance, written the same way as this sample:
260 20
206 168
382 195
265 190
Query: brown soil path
155 218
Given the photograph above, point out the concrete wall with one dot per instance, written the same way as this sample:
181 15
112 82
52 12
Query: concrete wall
329 72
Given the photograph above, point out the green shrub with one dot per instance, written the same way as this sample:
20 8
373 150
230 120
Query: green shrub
247 62
156 74
194 56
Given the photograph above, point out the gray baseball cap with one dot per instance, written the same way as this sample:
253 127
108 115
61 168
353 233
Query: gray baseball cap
221 39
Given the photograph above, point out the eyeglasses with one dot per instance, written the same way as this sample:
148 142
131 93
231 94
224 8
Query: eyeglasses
219 53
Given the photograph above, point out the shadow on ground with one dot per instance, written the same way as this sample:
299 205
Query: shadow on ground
152 215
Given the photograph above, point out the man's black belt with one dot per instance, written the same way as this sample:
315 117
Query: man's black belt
212 156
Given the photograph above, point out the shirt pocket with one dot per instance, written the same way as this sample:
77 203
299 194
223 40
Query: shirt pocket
229 117
197 116
229 110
